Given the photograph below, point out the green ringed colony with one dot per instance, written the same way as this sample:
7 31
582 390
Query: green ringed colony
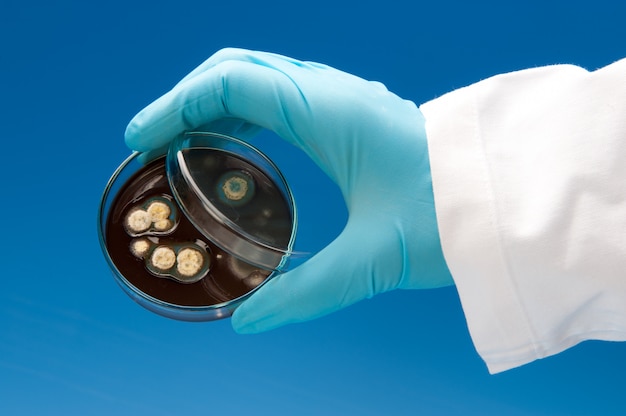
235 187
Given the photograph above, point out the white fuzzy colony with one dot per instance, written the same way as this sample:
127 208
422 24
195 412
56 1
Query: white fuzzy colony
163 225
163 258
158 211
138 221
139 247
189 262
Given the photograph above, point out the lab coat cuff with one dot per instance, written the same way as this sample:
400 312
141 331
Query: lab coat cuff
471 244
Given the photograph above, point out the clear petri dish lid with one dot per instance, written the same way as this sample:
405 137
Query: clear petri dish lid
235 196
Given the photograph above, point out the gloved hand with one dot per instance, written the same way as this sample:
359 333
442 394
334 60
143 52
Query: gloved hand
369 141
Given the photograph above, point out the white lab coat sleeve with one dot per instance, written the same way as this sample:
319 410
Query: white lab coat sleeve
529 177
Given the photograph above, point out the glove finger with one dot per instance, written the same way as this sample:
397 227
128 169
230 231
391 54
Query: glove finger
355 266
232 127
243 55
229 90
141 131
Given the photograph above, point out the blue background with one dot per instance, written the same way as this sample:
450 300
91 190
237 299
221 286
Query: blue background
73 73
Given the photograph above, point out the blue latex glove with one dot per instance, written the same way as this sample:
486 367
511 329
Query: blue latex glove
369 141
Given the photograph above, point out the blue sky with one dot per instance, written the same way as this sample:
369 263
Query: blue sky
73 73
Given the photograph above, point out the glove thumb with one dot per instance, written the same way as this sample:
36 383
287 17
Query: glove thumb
363 261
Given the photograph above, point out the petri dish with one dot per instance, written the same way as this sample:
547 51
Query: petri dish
191 234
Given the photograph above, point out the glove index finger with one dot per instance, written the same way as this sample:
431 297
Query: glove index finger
257 94
165 118
233 54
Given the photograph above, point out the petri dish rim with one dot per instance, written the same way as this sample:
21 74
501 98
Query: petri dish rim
180 312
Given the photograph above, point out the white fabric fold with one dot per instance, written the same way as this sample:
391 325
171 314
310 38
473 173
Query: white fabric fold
529 176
